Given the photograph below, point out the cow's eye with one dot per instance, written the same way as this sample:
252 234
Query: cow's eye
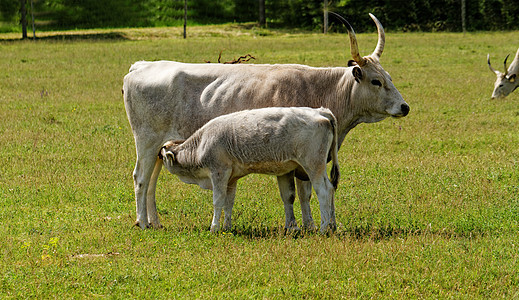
376 82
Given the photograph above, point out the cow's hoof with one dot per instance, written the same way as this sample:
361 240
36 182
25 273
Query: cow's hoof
293 232
141 225
329 230
156 225
292 229
309 227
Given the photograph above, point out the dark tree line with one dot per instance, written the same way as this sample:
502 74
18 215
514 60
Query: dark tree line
406 15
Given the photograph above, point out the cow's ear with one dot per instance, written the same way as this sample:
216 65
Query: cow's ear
357 73
351 63
511 78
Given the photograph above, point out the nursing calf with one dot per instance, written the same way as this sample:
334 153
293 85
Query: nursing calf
284 142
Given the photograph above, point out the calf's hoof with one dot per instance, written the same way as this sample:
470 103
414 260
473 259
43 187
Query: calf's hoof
214 228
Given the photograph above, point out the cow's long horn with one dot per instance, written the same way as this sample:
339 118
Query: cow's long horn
381 37
506 69
490 66
353 40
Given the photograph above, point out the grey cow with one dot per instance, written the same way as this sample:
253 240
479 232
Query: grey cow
278 141
168 100
506 82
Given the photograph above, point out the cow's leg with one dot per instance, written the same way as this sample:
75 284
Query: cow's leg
229 203
219 180
325 193
288 193
304 192
145 179
151 205
141 180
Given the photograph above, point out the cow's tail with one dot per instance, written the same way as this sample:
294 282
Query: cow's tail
333 152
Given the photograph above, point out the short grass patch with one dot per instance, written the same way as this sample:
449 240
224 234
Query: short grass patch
428 205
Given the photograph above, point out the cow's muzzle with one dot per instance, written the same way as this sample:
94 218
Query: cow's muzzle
405 109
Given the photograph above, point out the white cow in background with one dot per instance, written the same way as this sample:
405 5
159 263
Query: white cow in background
506 82
274 140
167 100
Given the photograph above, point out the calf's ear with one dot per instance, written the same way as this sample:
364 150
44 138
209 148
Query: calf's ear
162 152
357 73
170 156
166 154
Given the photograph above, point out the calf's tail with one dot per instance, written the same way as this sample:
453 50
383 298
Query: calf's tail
334 148
334 173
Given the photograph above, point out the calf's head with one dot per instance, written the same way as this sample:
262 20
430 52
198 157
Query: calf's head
505 82
168 155
373 92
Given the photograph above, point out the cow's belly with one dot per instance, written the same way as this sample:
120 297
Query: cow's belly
270 168
204 183
200 177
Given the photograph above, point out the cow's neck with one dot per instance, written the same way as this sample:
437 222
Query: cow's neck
514 66
344 107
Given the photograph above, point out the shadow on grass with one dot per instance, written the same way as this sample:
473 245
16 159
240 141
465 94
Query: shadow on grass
358 233
108 36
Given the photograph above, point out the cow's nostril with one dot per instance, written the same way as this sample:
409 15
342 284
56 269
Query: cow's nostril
405 109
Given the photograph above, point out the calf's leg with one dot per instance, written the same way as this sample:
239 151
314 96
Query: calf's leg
325 193
219 180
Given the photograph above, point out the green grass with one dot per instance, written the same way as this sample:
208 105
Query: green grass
428 205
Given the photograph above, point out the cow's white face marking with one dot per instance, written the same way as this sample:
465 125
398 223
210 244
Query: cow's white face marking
504 85
506 82
375 92
375 95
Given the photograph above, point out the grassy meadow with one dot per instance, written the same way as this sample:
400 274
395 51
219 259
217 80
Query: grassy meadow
427 207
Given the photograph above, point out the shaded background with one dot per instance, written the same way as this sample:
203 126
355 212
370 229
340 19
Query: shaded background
402 15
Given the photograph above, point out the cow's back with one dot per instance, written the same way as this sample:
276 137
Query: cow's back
175 99
157 94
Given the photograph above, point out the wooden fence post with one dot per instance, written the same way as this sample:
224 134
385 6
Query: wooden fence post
325 17
23 19
185 18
